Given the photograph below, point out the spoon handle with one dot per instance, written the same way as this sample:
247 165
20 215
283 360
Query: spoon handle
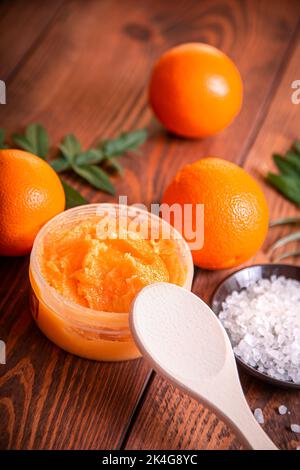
236 413
250 432
185 342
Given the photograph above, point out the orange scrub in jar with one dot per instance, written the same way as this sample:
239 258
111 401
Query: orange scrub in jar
85 274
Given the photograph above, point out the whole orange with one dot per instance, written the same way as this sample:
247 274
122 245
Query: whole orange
236 215
195 90
30 194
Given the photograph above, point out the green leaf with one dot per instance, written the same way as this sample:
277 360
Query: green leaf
288 186
23 143
126 142
60 164
285 221
2 138
296 146
96 177
294 159
35 140
70 147
284 240
38 135
285 167
73 197
113 164
91 156
287 254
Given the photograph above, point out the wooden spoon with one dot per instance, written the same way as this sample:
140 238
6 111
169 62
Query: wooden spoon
183 340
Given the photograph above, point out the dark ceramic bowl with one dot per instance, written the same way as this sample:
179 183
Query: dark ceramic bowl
242 279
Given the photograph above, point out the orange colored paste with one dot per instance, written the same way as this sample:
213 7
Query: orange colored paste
106 274
96 279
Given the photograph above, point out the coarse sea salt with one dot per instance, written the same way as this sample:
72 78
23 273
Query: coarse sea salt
258 414
295 428
263 322
282 410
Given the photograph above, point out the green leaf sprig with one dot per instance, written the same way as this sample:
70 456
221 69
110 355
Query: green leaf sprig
287 182
93 164
2 139
35 140
73 197
292 237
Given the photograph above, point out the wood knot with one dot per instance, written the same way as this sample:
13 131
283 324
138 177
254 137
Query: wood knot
137 32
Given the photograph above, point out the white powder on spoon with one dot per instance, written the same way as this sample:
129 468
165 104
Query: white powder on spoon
263 322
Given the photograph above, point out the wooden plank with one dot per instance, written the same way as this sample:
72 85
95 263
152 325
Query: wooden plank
87 75
22 25
170 420
50 399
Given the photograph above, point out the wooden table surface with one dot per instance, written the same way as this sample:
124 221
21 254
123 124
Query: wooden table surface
82 67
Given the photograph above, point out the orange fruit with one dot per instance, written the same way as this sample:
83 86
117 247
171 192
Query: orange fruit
195 90
30 194
236 216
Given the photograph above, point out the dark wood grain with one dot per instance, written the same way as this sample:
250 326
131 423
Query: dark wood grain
86 71
51 399
22 26
169 419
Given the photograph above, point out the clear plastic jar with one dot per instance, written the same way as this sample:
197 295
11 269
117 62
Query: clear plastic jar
93 334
